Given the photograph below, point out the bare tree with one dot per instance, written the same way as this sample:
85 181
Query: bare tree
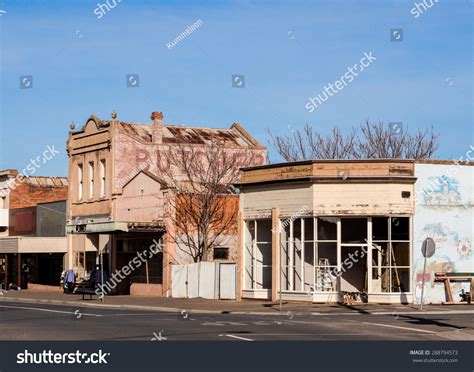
381 142
369 141
203 206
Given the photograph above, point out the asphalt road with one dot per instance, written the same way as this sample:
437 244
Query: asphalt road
21 321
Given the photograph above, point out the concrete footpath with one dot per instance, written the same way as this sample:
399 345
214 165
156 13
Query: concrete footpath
203 306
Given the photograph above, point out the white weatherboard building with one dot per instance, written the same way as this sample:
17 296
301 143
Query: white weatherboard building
318 231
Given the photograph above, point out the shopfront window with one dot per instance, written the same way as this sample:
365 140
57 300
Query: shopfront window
258 254
390 254
309 254
149 269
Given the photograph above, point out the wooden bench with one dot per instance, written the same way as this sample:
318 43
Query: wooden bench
448 278
85 289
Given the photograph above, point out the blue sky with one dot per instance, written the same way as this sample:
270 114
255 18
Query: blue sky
287 50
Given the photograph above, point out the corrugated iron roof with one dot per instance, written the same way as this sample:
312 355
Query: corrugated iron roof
173 134
46 181
235 136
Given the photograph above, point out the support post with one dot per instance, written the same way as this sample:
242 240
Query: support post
423 284
19 269
102 274
6 271
276 255
240 256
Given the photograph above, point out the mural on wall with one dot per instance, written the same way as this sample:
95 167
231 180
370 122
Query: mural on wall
443 191
444 212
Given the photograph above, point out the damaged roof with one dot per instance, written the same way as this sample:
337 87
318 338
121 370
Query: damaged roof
235 136
45 181
41 181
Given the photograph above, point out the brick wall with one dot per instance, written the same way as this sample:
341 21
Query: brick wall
25 195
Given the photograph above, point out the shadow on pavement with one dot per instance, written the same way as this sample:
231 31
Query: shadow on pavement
425 321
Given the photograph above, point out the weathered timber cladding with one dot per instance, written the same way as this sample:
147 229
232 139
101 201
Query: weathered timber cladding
328 169
331 188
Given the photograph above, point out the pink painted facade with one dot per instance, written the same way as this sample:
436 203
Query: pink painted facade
118 192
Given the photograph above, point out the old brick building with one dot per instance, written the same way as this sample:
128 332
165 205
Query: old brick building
32 227
118 195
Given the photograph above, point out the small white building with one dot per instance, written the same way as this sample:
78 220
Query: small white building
321 230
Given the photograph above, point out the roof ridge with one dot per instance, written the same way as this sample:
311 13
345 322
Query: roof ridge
46 177
195 127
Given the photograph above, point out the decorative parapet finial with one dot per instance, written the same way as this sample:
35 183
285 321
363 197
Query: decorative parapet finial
72 126
113 115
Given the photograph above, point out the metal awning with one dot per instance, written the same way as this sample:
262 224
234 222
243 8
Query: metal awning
114 226
33 244
96 227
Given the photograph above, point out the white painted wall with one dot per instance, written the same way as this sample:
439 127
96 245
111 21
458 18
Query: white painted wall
443 211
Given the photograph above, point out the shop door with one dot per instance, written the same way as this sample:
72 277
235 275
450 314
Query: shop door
354 257
354 267
123 259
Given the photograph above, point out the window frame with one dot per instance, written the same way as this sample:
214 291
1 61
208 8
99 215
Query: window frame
252 270
91 173
390 266
103 169
290 268
80 181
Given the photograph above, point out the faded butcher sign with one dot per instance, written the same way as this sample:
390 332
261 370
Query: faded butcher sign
163 157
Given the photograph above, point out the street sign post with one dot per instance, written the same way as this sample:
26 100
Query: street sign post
428 248
102 274
279 260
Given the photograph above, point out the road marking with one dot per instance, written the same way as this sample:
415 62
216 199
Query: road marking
307 334
48 310
141 314
407 328
223 323
238 337
429 312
